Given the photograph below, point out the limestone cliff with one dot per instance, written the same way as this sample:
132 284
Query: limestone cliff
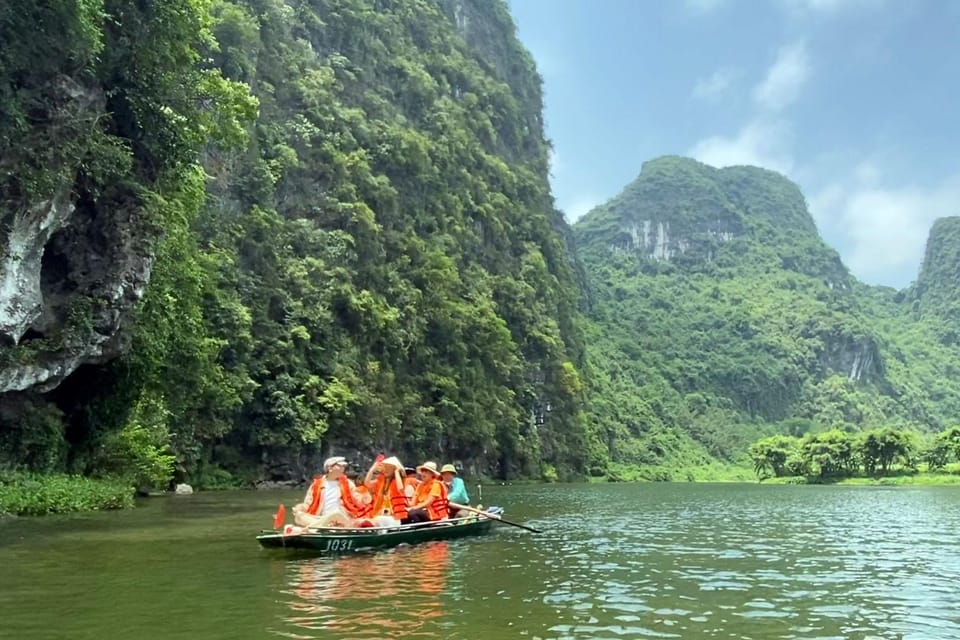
716 297
937 289
76 255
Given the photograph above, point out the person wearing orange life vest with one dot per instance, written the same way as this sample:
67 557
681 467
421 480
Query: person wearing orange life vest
387 489
430 502
410 483
332 499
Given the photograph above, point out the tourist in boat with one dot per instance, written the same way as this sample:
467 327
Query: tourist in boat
332 499
410 484
456 489
387 490
430 502
363 492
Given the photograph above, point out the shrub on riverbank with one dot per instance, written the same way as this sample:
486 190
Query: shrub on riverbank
830 456
32 495
921 479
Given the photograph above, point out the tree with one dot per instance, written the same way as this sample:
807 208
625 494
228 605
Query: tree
829 454
771 455
881 449
945 448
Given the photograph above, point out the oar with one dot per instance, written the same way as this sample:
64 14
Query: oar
493 517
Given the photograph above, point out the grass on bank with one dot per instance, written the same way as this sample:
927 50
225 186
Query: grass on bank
948 475
24 494
718 472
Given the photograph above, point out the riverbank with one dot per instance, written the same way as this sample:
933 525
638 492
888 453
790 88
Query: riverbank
33 495
717 472
948 476
29 494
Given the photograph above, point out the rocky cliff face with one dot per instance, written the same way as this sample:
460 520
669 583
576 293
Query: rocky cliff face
937 290
682 211
74 262
717 298
675 208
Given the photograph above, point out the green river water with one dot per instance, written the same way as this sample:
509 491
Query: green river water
614 561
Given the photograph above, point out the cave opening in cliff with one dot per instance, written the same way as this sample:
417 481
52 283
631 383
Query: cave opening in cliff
55 280
31 334
74 397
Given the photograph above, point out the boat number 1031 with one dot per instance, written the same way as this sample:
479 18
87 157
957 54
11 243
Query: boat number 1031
339 545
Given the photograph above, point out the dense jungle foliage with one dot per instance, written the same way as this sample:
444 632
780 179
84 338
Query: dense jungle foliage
835 454
719 316
374 263
356 250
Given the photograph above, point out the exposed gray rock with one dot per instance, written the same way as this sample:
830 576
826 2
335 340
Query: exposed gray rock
20 297
183 490
72 265
859 360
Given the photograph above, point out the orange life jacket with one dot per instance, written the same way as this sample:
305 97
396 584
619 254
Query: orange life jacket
398 500
439 508
412 482
351 506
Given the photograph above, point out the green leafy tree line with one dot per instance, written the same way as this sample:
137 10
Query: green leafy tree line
358 246
718 316
837 454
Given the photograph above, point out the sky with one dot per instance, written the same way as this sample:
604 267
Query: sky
857 101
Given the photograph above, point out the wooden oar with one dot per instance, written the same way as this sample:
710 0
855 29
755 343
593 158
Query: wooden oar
493 517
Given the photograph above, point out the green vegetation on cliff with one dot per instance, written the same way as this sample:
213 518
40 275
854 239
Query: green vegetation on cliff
379 268
243 234
719 316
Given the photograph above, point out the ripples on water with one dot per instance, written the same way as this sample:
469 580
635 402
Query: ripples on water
371 595
659 562
614 561
761 562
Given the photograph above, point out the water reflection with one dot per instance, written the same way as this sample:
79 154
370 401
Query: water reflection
837 564
394 593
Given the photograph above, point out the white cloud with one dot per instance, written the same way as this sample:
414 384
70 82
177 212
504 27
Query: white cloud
713 86
784 79
702 7
577 207
883 229
763 143
867 172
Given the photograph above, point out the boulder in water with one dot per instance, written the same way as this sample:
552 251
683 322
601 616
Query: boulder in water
183 490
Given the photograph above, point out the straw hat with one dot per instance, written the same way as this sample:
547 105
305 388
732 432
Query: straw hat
449 468
394 462
329 462
429 466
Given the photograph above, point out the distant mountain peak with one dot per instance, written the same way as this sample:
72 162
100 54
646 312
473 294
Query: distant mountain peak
681 210
938 285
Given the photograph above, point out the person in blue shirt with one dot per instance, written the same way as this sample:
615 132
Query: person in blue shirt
456 489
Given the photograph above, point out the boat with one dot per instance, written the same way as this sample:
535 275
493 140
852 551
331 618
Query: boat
337 541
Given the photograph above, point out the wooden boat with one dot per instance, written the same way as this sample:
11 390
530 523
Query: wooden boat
340 541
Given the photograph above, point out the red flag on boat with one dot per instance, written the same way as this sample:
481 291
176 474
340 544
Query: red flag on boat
279 517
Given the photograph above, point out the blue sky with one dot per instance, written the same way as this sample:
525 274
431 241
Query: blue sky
858 101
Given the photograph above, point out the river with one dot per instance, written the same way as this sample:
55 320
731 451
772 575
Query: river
614 561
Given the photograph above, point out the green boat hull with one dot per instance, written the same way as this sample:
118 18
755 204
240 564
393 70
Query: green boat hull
336 542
